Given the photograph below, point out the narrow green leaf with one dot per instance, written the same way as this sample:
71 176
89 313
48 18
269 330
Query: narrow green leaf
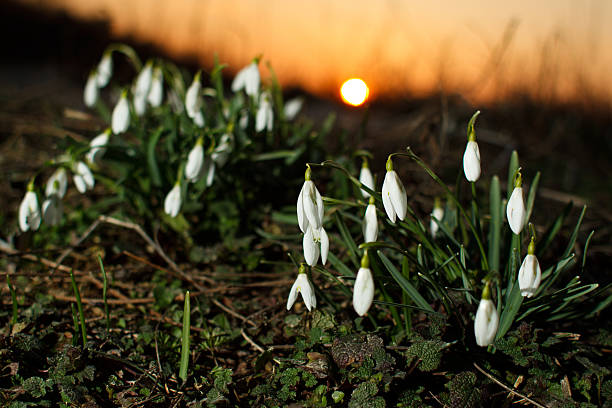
104 289
552 231
512 168
531 196
496 222
348 239
574 235
13 299
550 275
339 265
152 157
404 283
77 295
185 339
586 249
511 308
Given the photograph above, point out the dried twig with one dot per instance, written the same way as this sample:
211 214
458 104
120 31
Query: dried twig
504 386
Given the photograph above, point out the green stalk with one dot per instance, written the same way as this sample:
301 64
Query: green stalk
75 321
14 299
80 307
104 288
185 339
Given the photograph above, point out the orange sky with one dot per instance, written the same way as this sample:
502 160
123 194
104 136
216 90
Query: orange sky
555 49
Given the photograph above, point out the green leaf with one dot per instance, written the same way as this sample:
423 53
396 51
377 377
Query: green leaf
405 284
552 231
185 339
496 222
511 308
348 239
512 168
574 235
531 196
152 157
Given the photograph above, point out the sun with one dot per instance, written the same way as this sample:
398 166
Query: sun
354 91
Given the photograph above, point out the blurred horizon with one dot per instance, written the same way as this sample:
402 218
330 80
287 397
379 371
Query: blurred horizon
553 51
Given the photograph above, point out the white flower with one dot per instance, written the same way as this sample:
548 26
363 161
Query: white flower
515 210
471 161
223 150
394 196
302 285
264 119
370 223
243 120
366 178
209 171
104 70
247 79
293 107
97 147
82 177
57 183
363 292
485 323
530 274
436 215
309 205
91 92
195 162
29 213
156 93
173 201
193 100
314 238
121 115
52 210
141 89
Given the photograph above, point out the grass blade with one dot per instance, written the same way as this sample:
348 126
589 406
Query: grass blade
574 235
531 196
185 339
496 221
512 168
104 289
13 300
77 295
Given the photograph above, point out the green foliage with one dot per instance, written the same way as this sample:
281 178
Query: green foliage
364 396
427 354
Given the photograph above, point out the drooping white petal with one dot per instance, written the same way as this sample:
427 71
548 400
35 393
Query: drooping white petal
436 214
264 119
140 104
52 210
529 276
198 119
104 70
324 240
370 224
57 183
515 210
293 107
363 292
82 177
29 212
485 323
209 169
311 247
195 162
366 178
395 200
312 204
97 147
471 161
91 92
156 93
143 82
302 285
223 150
193 101
121 115
301 215
173 201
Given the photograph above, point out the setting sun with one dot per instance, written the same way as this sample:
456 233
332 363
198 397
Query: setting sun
354 91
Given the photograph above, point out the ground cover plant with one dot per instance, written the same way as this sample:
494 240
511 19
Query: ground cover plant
205 245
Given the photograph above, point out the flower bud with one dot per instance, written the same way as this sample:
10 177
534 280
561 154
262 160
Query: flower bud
173 201
394 196
121 115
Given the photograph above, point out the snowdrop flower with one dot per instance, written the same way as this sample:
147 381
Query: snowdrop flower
193 101
222 152
156 92
264 119
104 70
82 177
293 107
175 102
121 115
141 88
314 238
57 183
302 285
471 157
309 205
29 213
52 210
97 147
530 274
91 92
195 161
247 79
366 178
243 120
486 320
209 171
370 223
394 196
173 201
515 209
363 292
436 215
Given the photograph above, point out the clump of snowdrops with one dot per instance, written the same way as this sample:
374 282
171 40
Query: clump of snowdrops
463 261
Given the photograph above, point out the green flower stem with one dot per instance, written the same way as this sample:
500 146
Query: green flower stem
104 289
13 299
185 339
77 295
